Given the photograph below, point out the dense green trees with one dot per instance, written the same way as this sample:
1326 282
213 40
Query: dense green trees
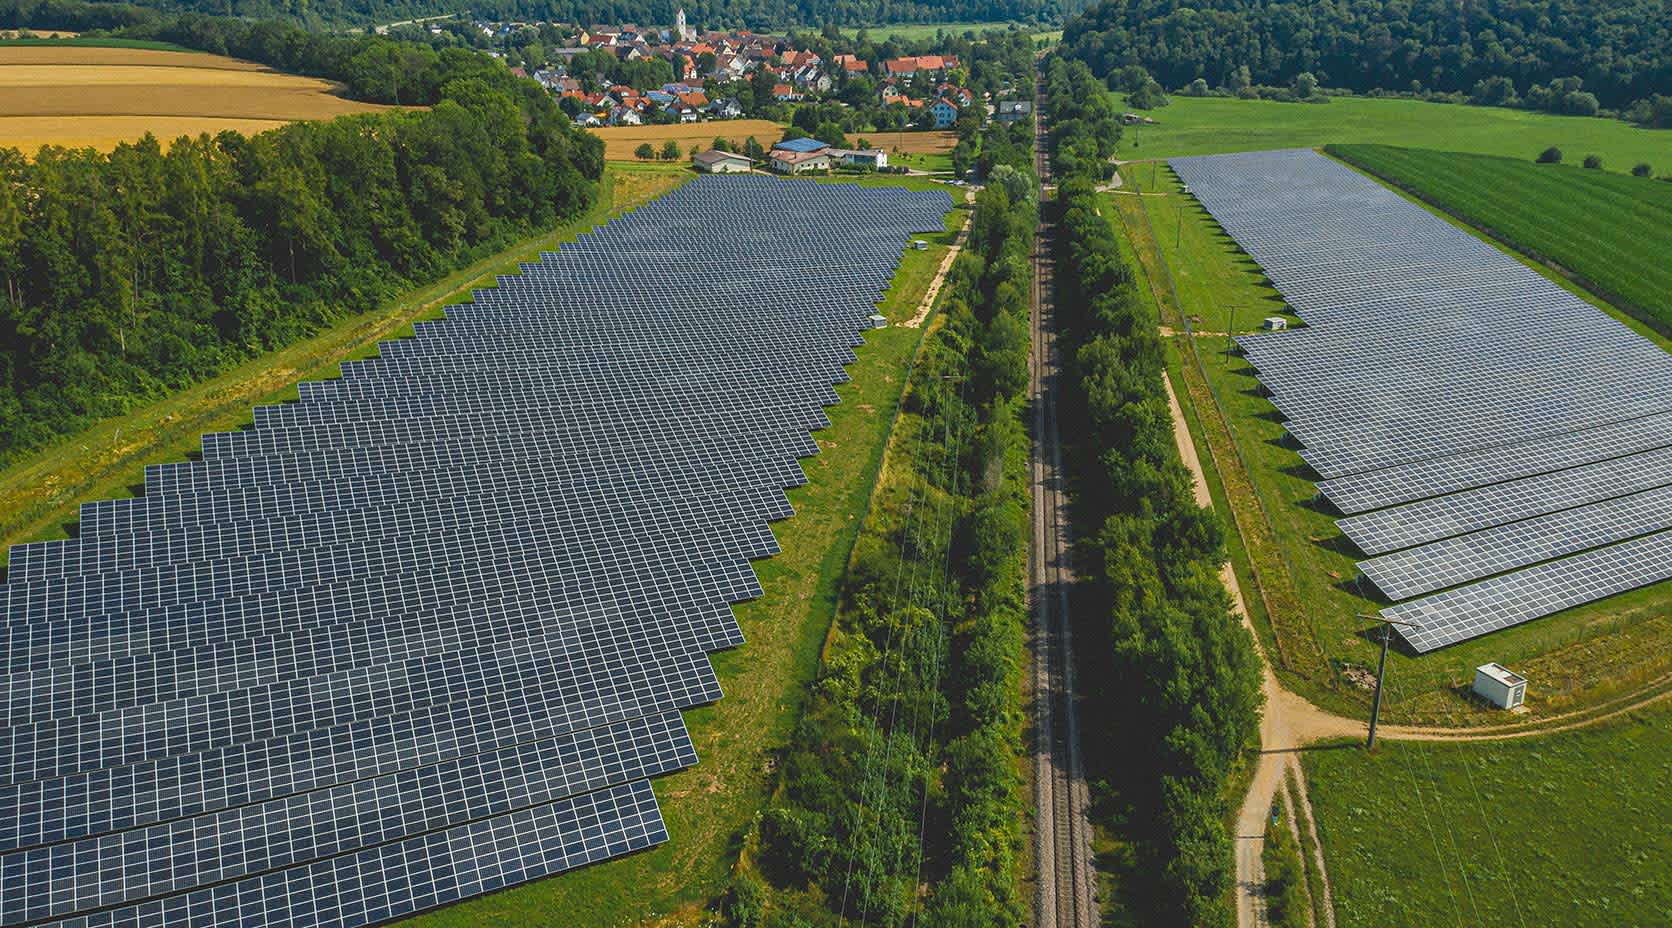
1179 700
905 769
135 273
756 14
1565 55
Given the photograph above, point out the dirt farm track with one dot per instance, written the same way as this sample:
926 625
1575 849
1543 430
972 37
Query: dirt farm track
85 96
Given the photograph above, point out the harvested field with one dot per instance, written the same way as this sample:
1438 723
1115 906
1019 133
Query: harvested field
42 34
620 141
86 96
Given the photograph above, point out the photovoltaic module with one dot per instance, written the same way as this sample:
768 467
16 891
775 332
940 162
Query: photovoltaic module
1501 449
427 632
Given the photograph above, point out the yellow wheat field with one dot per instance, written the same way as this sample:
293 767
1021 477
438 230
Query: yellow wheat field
79 96
621 141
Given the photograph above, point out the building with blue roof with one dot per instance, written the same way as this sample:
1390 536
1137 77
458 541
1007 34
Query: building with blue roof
802 145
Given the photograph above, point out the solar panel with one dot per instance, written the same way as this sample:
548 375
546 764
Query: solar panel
1483 430
428 631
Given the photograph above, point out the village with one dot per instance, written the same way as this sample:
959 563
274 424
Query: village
631 75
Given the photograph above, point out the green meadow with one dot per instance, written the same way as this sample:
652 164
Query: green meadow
1213 125
1566 829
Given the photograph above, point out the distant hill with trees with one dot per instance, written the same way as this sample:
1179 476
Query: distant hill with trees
753 14
1576 56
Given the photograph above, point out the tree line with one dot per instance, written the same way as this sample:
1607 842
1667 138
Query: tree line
130 275
905 770
713 14
1586 57
1176 685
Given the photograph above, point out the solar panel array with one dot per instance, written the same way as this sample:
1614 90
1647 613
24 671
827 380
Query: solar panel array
1501 448
427 632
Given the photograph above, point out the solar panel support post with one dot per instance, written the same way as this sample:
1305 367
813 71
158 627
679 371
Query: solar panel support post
1381 674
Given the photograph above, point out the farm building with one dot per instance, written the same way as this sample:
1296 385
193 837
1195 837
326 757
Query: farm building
1500 686
797 162
801 145
715 161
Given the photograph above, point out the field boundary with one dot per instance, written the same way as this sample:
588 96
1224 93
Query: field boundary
1515 247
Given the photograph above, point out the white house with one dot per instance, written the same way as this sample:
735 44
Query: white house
860 157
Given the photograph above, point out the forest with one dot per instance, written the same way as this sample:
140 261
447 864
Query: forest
134 274
1176 684
707 14
905 770
1564 55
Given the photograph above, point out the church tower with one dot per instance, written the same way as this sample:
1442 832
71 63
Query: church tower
680 29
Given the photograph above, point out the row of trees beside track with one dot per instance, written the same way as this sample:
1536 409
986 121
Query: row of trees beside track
1176 683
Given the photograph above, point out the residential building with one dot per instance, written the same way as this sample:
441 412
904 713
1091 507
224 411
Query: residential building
859 157
1012 111
946 113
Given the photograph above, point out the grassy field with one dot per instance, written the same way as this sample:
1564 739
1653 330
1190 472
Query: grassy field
1211 126
709 807
1568 829
1612 231
1580 657
59 93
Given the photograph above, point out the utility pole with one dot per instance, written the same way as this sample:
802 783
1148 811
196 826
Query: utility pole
1381 672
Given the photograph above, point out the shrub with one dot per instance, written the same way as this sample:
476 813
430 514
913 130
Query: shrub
1594 162
1642 169
644 152
1551 155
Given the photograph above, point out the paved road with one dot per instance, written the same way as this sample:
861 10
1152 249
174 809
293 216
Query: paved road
1065 887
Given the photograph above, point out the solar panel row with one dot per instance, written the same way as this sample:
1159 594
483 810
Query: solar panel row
1485 432
428 631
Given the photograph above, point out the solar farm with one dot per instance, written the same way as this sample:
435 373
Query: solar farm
427 632
1500 450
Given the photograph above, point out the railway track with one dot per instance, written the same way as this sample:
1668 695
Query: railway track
1064 895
